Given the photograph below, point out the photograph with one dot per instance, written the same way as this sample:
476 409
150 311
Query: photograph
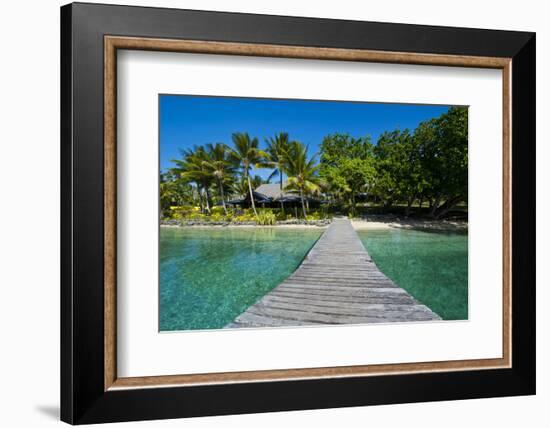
296 212
264 211
274 220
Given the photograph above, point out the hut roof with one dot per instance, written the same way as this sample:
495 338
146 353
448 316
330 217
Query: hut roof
273 191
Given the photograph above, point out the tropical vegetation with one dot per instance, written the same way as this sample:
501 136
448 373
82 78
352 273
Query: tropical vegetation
425 169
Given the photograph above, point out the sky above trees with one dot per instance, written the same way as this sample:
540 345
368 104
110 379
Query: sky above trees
187 121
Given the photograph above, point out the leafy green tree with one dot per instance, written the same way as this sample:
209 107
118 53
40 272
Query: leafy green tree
443 147
398 168
240 185
302 172
193 168
277 148
221 165
247 154
257 181
174 191
167 193
347 165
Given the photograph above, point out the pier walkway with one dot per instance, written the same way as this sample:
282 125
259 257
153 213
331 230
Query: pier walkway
337 283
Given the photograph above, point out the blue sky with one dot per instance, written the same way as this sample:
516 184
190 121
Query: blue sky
187 120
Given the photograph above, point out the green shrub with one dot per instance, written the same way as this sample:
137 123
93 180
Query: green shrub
282 216
266 218
317 215
243 218
217 217
195 217
183 211
217 210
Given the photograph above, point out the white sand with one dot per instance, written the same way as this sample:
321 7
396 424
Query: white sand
358 224
409 224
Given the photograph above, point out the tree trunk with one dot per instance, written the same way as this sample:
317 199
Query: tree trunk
435 206
410 201
420 202
199 194
251 195
281 188
443 212
303 204
408 209
353 205
222 195
207 197
447 206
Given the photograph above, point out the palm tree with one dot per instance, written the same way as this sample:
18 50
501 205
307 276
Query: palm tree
276 150
221 166
277 147
247 154
193 168
302 173
240 187
166 193
256 181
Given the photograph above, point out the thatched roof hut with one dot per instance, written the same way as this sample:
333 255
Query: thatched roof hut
270 195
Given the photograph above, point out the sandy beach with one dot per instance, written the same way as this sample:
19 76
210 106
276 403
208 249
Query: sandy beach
399 223
376 222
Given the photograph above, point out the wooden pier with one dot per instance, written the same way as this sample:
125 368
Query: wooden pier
337 283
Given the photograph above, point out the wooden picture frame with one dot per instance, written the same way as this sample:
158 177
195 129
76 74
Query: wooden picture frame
91 390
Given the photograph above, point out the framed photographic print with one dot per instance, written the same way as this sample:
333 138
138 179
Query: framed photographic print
266 213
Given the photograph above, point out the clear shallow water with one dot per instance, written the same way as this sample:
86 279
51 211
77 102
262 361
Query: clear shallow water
208 277
431 266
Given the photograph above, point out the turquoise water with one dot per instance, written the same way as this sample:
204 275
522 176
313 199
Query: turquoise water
432 266
210 276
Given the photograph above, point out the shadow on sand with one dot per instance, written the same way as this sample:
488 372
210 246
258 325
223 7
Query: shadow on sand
430 226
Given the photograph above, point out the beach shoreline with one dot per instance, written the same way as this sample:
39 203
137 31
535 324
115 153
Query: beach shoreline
246 226
374 223
416 224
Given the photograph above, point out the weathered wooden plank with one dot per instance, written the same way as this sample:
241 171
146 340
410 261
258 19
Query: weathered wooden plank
341 315
352 307
340 300
337 283
329 318
332 282
343 297
344 271
249 319
338 289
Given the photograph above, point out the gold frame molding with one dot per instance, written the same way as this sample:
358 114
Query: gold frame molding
113 43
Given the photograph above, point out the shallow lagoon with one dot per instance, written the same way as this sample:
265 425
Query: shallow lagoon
432 266
210 276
